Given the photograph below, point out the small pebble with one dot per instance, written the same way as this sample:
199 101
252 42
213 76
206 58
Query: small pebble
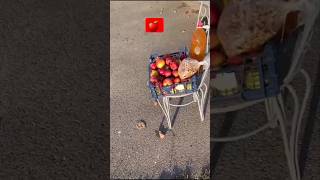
183 31
174 11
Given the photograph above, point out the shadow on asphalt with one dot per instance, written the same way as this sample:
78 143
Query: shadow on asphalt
216 148
186 172
310 126
163 129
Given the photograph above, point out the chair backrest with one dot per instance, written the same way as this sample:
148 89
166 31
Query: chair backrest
205 11
310 12
206 68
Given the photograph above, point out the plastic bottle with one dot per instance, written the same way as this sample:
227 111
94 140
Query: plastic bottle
198 44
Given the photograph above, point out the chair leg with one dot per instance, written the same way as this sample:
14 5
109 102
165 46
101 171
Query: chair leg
166 110
296 122
266 105
288 151
201 100
204 95
197 99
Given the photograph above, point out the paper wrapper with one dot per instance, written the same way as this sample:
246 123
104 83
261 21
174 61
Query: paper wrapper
189 67
247 24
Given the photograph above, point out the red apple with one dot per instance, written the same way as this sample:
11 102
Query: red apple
175 73
154 80
167 82
177 80
174 65
153 66
167 73
160 63
169 60
153 26
161 71
154 73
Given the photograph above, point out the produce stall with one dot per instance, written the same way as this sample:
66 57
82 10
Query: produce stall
256 50
183 73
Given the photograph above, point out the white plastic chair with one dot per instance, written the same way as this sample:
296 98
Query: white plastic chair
275 107
199 96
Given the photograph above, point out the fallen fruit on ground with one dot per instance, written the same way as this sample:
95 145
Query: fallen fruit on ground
161 135
141 124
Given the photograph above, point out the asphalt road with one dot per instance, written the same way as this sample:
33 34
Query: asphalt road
53 90
53 102
140 153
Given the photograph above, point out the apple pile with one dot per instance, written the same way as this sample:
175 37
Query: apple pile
164 71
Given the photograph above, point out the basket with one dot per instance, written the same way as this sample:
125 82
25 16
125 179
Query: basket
186 87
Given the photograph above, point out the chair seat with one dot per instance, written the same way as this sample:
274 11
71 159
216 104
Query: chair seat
179 95
284 56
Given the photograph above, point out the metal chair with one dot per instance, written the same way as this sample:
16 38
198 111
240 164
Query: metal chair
275 107
198 96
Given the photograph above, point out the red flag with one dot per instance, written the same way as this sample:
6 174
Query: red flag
154 24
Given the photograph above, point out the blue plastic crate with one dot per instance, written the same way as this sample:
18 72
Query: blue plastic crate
190 86
249 94
268 73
